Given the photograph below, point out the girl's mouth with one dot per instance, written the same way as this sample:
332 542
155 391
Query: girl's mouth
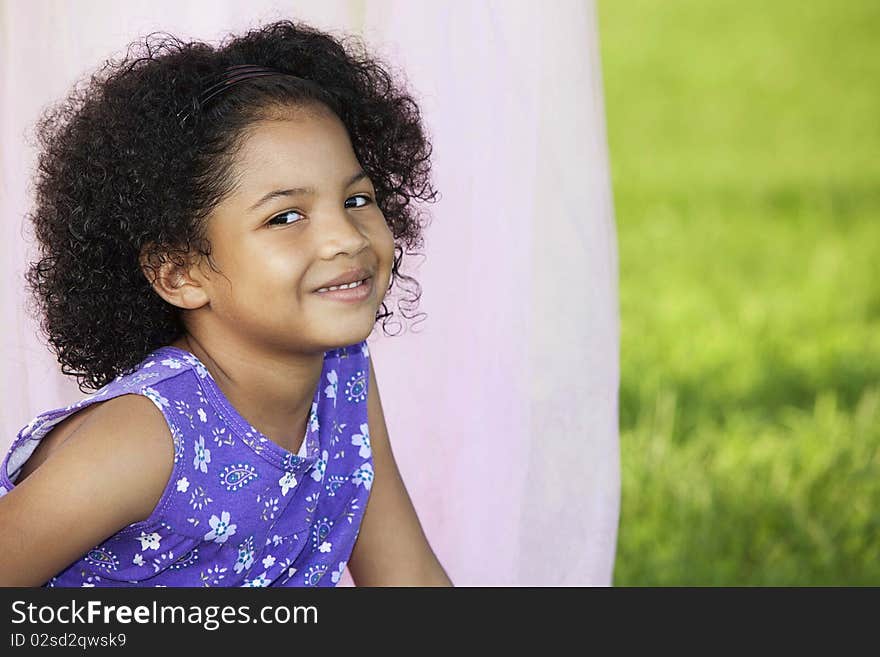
359 292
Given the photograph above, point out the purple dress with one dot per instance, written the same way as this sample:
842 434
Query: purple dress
238 510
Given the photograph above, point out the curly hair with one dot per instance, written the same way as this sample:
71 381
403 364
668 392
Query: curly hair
121 180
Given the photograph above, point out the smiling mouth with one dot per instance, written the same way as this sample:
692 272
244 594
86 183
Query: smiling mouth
361 291
346 286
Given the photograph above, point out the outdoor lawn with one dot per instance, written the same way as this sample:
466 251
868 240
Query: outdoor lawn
745 153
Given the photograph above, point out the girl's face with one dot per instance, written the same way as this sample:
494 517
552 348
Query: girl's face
299 217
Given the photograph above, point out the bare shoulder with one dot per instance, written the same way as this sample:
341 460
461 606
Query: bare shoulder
135 424
134 431
108 473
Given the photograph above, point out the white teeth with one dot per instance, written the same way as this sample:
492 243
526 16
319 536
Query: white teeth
341 287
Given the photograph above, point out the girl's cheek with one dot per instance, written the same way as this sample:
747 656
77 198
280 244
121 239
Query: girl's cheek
382 240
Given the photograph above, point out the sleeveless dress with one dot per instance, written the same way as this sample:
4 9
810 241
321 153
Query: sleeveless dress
238 509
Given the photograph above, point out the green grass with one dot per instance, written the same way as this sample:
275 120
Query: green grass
745 157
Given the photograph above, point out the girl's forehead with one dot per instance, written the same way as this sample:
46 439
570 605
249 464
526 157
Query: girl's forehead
293 160
304 152
304 128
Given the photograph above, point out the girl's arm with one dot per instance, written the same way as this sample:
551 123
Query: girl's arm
109 473
391 548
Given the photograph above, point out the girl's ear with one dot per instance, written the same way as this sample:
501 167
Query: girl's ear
177 281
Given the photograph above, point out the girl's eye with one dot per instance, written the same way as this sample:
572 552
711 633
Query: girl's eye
366 198
272 221
279 217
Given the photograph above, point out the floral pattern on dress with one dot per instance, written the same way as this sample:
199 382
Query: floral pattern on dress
203 455
238 510
221 528
362 440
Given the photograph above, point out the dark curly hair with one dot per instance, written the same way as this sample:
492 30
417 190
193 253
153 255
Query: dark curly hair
122 181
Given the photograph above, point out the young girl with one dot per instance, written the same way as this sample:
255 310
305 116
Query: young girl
218 229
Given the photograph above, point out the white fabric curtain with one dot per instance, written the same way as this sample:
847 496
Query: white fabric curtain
502 405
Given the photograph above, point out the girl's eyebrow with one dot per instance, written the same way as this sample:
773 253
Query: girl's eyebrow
297 191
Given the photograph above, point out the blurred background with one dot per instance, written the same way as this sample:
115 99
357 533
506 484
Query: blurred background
745 151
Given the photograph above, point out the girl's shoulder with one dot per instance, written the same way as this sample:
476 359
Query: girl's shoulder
149 378
159 366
